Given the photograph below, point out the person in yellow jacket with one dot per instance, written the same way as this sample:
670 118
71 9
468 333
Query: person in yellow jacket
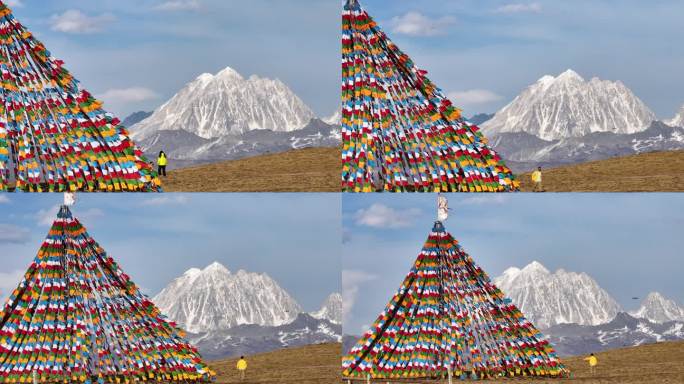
242 367
593 362
162 161
537 180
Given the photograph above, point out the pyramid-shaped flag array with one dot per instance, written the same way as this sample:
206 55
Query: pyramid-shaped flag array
55 136
77 317
448 317
399 132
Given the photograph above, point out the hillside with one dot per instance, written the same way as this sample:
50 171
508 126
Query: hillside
305 170
659 363
314 364
648 172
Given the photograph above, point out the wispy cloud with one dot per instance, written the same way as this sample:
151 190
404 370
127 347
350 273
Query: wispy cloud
47 216
416 24
474 96
4 199
520 8
351 285
13 234
484 200
165 200
178 5
129 95
382 216
76 22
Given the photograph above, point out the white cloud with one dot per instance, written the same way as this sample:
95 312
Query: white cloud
416 24
4 199
165 200
9 282
484 200
178 5
382 216
351 284
473 96
13 234
75 21
128 95
520 8
45 217
14 3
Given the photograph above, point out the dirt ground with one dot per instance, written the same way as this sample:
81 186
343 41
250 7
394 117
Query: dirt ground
661 363
315 364
306 170
649 172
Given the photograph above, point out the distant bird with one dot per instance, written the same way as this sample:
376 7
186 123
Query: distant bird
635 298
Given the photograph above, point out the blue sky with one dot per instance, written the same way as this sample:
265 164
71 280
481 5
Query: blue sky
627 242
484 52
294 238
137 54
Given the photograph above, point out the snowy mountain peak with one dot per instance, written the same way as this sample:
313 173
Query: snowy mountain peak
216 267
215 299
570 75
229 73
678 120
331 309
535 267
214 106
567 106
659 309
562 297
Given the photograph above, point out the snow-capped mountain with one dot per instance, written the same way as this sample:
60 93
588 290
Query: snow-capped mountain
524 151
335 119
678 120
185 148
658 309
213 106
562 297
623 331
331 309
252 339
215 299
568 106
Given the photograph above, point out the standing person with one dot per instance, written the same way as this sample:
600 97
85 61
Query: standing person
593 362
537 180
242 367
162 161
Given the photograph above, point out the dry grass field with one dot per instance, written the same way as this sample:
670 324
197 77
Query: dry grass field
318 170
314 364
648 172
305 170
661 363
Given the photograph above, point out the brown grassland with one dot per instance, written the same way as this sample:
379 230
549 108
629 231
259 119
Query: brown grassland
312 364
661 363
648 172
305 170
318 170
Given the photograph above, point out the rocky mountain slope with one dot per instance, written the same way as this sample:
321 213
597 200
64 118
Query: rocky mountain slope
213 106
228 314
331 309
623 331
678 120
566 120
568 106
659 309
562 297
215 298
